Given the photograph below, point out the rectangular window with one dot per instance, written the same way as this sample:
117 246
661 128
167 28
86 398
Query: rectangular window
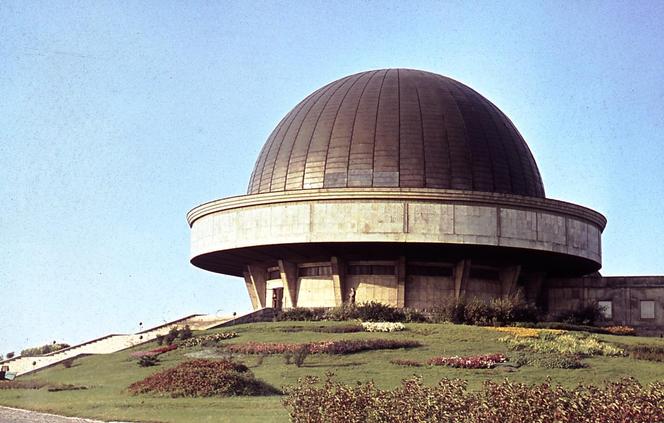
370 269
606 308
425 270
273 274
647 309
315 271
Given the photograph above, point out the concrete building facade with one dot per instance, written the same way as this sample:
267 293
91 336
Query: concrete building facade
411 189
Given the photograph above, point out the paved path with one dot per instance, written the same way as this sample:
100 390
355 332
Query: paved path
15 415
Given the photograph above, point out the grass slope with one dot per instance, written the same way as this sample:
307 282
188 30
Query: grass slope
107 377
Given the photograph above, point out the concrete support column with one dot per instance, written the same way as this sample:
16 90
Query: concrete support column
534 283
288 273
255 278
401 282
461 272
338 281
508 280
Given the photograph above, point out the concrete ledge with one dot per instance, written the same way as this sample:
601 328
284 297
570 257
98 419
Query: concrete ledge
400 216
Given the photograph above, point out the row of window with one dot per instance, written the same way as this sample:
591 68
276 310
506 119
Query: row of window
646 309
386 269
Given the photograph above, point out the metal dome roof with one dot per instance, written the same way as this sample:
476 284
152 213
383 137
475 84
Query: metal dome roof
396 128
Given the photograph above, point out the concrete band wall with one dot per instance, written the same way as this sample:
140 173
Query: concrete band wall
402 215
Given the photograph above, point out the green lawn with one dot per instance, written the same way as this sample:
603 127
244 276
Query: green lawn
108 376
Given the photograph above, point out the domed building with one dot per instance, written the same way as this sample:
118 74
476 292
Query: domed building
399 186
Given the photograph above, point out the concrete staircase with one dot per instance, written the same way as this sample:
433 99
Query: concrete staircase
112 343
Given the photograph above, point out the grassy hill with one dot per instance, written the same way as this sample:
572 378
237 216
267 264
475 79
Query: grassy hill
107 377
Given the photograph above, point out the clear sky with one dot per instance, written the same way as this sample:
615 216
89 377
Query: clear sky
116 118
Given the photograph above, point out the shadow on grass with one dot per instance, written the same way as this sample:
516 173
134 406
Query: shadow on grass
335 365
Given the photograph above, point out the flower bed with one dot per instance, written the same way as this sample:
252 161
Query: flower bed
522 332
383 326
451 401
208 340
203 378
153 353
487 361
573 344
620 330
325 347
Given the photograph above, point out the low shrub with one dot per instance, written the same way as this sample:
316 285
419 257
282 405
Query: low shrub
300 354
383 326
66 387
185 333
587 314
203 378
301 314
572 344
171 336
645 352
406 362
43 350
620 330
341 313
451 401
324 347
378 312
148 361
412 315
548 361
154 352
160 339
208 340
487 361
10 355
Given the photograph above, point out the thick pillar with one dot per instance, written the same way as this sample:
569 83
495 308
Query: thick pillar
461 272
337 281
508 280
255 278
401 282
288 272
534 282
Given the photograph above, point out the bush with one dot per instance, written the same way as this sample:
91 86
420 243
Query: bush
301 314
185 333
68 362
160 339
203 378
10 355
148 361
412 315
378 312
171 336
588 314
300 355
477 312
511 309
22 384
451 401
487 361
43 350
344 312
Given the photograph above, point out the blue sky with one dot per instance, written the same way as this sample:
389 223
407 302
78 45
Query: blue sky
116 118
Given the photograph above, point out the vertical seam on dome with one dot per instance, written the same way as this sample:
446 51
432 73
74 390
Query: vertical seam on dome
424 156
373 150
297 133
299 109
485 141
352 128
329 140
306 156
398 129
266 147
465 130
